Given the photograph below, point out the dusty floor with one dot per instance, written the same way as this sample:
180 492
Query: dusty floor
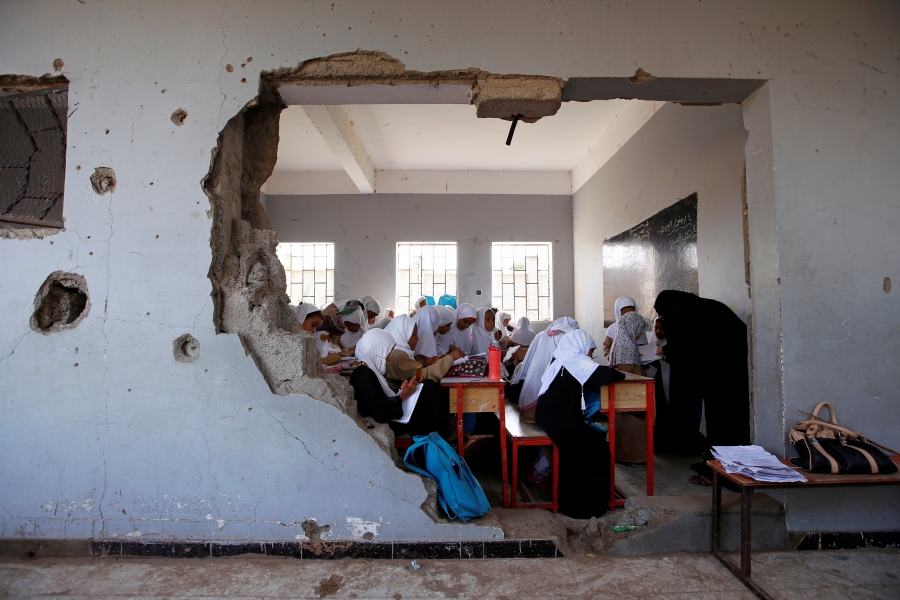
802 575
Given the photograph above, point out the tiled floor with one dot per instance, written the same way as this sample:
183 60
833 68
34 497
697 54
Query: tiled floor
821 575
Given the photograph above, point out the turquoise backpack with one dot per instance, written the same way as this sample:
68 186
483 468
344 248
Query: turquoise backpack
459 493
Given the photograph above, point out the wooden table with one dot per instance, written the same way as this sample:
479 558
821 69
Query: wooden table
748 485
528 434
474 395
634 394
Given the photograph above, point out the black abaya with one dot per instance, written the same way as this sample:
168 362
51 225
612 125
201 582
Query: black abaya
430 413
583 450
723 388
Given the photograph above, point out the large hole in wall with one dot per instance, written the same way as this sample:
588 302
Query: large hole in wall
248 280
61 303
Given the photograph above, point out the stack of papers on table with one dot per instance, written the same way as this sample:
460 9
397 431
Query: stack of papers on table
756 463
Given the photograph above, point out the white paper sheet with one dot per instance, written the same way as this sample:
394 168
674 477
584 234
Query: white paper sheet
756 463
510 352
409 405
648 353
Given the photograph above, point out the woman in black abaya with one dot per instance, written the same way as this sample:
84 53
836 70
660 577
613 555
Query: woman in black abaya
723 388
583 448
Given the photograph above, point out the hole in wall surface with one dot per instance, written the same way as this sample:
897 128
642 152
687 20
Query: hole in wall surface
103 180
61 303
186 348
178 117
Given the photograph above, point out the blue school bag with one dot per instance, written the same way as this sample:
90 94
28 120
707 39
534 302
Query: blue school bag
459 492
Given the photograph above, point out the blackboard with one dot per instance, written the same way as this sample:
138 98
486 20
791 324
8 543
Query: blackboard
658 254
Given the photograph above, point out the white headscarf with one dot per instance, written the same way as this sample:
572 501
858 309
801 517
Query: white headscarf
419 303
538 357
373 349
349 338
624 302
499 318
401 328
428 318
304 309
524 334
462 338
443 341
572 353
370 304
481 337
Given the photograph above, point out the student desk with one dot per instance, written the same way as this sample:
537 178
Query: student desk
634 394
748 485
473 395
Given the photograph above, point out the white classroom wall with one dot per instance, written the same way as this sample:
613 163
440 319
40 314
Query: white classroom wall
366 229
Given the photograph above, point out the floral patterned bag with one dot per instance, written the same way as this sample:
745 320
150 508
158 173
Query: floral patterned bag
475 366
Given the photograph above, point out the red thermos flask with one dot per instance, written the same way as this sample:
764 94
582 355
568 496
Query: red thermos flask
494 363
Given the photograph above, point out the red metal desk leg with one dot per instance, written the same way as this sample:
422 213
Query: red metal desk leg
503 463
460 433
650 415
612 446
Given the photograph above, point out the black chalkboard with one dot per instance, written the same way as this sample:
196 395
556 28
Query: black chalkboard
658 254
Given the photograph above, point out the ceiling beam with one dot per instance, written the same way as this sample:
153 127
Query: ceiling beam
337 131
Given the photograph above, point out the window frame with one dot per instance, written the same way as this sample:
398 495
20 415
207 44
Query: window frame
288 272
497 295
397 270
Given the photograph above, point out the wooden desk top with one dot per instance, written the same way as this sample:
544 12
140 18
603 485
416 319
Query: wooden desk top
813 478
470 381
632 377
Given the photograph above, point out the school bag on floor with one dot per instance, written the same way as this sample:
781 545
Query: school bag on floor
459 492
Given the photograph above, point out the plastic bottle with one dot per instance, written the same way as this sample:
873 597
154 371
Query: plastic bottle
494 363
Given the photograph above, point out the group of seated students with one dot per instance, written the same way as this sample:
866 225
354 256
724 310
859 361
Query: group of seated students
552 376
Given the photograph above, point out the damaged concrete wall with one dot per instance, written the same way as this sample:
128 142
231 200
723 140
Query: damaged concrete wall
80 448
365 231
679 151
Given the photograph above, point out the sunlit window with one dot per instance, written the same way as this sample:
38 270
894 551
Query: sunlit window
424 270
522 281
309 269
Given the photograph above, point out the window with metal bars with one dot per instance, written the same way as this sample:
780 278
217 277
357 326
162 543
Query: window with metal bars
33 157
522 279
424 269
310 272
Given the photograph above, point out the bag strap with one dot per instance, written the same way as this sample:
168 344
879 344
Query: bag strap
819 407
825 424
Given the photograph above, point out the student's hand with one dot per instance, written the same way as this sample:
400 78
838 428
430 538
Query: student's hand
407 388
430 361
456 353
659 351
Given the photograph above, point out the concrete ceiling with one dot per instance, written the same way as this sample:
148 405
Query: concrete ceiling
433 148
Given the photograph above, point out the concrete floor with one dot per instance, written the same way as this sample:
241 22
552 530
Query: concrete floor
801 575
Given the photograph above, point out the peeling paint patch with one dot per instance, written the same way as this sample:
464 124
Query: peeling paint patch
133 534
362 529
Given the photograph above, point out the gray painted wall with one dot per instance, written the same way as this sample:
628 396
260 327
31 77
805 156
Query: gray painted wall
79 448
366 229
679 151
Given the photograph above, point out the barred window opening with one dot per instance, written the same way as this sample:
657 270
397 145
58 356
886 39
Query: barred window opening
33 157
424 269
309 270
521 279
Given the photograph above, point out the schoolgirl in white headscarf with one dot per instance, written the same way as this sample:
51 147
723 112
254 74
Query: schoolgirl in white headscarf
402 328
524 334
419 303
499 319
482 333
304 310
428 318
572 353
443 340
624 302
538 358
462 338
350 338
373 349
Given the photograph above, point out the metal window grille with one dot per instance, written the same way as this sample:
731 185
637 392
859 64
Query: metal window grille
310 272
424 270
33 157
521 280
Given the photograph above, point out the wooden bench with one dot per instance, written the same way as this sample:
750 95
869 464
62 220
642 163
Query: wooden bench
528 434
747 485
